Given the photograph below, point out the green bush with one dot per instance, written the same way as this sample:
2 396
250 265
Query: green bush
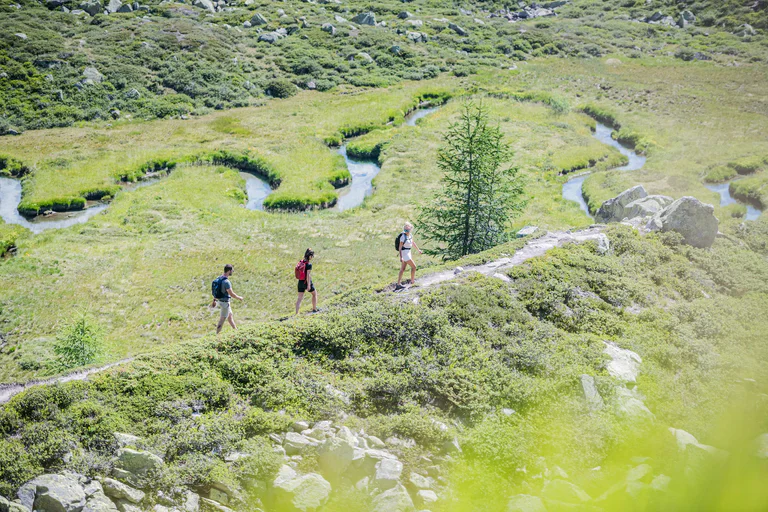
747 165
602 114
16 466
281 89
9 234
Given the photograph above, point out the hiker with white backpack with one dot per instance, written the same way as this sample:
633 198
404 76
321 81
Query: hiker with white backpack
303 272
403 243
222 292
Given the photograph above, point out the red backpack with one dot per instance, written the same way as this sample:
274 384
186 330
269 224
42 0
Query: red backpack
301 270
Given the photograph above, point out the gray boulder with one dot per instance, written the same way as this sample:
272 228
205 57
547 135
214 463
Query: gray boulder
415 23
646 206
258 20
335 455
305 492
91 73
136 467
327 27
204 4
270 37
686 18
459 30
691 218
613 210
629 404
395 499
125 8
53 493
417 37
525 503
295 443
591 395
624 364
365 18
388 473
54 4
121 491
113 6
99 503
425 497
92 7
21 36
404 15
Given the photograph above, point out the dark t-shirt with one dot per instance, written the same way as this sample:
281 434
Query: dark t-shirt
307 268
225 285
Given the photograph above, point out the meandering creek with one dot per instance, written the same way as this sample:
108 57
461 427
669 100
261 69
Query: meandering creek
572 188
726 199
363 171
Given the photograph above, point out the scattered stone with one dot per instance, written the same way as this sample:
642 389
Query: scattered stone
395 50
295 443
306 492
458 270
395 499
122 439
327 27
452 446
525 503
479 21
365 57
404 15
686 18
603 244
258 20
120 491
135 467
459 30
388 473
592 396
630 404
113 6
527 231
270 37
647 206
418 481
92 74
365 18
339 19
21 36
686 441
125 8
335 456
417 37
691 218
425 498
624 364
612 210
375 442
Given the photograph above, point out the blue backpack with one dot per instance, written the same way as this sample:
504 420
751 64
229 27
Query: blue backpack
216 290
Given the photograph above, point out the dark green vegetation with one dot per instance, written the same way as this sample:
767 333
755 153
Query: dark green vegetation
480 194
459 356
173 59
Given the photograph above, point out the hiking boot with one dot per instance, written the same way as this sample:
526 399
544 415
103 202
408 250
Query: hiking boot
399 287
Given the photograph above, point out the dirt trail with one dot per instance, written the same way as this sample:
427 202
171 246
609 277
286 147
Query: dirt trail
532 249
8 391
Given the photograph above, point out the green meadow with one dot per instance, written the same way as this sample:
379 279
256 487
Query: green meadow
143 267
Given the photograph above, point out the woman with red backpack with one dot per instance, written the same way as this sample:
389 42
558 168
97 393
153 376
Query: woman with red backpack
303 273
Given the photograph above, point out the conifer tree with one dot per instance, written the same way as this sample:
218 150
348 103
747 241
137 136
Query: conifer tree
479 193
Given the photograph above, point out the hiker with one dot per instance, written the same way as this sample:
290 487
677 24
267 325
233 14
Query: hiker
222 292
405 242
303 272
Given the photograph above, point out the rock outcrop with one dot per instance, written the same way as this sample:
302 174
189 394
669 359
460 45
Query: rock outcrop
691 218
613 210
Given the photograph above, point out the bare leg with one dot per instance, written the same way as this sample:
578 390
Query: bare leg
298 302
231 319
221 324
413 271
314 300
402 269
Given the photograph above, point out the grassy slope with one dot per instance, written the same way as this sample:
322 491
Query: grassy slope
467 351
181 59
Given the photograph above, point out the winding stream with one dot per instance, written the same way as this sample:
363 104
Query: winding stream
257 189
10 197
363 171
726 199
572 188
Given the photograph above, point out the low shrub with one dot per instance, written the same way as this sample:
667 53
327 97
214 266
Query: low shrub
281 88
747 165
79 343
9 234
12 167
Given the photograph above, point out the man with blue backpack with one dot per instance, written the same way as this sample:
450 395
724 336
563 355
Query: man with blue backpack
222 292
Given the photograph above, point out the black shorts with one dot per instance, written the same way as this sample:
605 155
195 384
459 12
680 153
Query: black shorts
303 287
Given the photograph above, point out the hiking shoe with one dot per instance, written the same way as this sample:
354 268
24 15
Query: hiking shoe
399 287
